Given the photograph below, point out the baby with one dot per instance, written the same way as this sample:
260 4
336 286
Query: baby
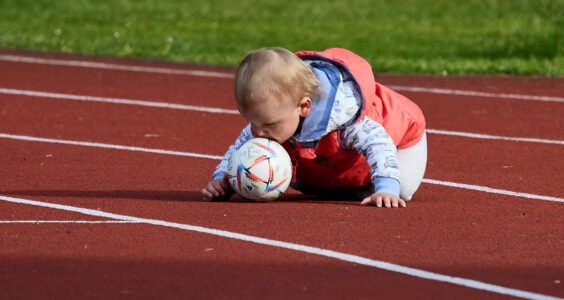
345 132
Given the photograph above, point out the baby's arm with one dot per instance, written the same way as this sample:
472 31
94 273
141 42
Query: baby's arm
218 188
371 140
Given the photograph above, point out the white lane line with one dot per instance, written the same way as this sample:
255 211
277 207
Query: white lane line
63 222
116 101
217 157
109 66
475 93
492 190
158 70
107 146
493 137
296 247
234 111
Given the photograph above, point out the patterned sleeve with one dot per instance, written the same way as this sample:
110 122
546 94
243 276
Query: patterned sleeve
371 140
221 169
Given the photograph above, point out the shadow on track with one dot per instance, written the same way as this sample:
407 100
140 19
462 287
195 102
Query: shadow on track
184 196
116 194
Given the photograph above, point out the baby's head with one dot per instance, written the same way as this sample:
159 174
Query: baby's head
273 90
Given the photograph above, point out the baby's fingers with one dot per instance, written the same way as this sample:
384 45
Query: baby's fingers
402 203
219 189
214 189
394 202
372 201
207 195
388 202
383 200
366 201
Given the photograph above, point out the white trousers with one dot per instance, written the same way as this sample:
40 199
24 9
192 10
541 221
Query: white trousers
412 163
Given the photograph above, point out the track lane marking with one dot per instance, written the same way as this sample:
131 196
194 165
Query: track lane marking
64 222
169 71
111 66
116 101
217 157
475 93
470 283
107 146
493 137
235 112
491 190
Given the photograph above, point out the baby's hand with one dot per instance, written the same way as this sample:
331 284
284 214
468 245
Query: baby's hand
385 199
216 190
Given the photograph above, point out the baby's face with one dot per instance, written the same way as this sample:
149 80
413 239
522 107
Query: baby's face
275 118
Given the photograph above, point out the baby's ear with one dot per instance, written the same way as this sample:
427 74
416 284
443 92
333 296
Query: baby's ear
304 106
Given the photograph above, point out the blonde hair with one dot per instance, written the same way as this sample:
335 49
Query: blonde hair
274 72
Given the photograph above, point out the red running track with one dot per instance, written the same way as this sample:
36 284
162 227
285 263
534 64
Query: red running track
509 242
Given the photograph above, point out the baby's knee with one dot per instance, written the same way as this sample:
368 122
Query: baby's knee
406 196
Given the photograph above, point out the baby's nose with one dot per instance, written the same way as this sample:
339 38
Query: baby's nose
263 133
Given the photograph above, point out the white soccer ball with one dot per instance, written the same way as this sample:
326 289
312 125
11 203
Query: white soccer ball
259 170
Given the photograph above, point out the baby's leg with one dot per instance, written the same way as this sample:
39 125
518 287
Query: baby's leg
412 162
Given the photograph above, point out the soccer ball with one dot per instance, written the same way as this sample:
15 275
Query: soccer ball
259 170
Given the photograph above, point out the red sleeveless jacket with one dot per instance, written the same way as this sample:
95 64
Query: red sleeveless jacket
330 166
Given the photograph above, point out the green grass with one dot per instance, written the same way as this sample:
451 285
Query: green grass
522 37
